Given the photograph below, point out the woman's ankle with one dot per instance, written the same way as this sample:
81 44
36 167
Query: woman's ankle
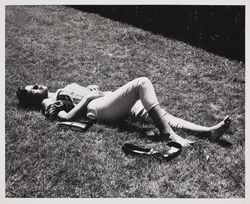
164 134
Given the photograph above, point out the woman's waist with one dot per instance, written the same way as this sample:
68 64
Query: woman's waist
93 105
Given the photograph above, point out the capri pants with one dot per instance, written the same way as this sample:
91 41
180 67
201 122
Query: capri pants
138 112
119 104
132 100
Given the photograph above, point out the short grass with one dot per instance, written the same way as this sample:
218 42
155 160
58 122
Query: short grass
56 45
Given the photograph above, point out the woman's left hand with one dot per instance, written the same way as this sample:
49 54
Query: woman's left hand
93 88
94 95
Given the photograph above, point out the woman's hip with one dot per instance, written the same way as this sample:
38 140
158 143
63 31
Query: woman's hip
108 109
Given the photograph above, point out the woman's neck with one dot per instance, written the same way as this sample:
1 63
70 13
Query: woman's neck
49 100
52 95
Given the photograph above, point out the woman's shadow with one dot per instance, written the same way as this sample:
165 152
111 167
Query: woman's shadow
204 136
128 126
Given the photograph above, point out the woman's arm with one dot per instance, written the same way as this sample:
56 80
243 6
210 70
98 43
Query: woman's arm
79 108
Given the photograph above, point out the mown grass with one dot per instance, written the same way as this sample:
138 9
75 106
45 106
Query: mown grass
56 45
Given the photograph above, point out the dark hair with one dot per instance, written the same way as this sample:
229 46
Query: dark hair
28 100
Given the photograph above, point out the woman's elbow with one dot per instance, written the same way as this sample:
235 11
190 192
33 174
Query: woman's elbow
63 115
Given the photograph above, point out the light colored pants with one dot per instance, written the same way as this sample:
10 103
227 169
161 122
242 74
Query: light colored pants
119 104
132 100
138 112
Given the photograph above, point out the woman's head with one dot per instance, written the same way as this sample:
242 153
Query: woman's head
32 95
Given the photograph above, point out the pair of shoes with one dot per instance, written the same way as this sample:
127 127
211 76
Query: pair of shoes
174 151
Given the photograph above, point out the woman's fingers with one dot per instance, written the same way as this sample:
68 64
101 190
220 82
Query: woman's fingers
95 94
93 87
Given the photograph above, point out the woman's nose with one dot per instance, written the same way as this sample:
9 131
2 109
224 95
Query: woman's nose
35 86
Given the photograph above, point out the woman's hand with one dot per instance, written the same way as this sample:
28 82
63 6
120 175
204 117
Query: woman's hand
93 88
52 110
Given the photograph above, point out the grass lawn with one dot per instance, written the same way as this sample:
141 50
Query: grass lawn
55 46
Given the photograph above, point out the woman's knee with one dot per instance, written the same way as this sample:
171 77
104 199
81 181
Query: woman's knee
143 81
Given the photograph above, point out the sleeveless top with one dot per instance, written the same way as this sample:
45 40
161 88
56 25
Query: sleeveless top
75 91
66 99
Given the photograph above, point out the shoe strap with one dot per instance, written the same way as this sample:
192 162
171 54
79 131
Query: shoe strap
133 149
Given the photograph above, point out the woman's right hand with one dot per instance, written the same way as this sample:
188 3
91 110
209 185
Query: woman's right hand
53 109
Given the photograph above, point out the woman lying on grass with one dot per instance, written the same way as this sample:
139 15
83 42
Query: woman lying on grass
136 99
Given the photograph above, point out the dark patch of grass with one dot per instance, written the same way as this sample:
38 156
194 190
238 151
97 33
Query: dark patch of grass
218 29
57 45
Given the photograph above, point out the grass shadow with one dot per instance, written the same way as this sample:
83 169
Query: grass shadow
217 29
224 143
128 126
205 136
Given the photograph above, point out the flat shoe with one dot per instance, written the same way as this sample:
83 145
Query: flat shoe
174 151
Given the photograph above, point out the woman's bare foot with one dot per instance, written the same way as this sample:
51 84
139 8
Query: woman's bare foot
218 130
155 135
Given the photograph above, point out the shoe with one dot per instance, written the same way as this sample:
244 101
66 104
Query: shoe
173 152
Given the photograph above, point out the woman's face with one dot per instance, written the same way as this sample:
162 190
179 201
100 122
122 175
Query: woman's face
37 90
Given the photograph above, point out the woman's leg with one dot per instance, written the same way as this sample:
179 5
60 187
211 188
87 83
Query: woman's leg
119 103
215 132
166 131
138 112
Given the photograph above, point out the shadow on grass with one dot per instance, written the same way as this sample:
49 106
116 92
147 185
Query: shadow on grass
224 143
217 29
128 126
205 136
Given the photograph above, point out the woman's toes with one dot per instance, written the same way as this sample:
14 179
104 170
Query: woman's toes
227 120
